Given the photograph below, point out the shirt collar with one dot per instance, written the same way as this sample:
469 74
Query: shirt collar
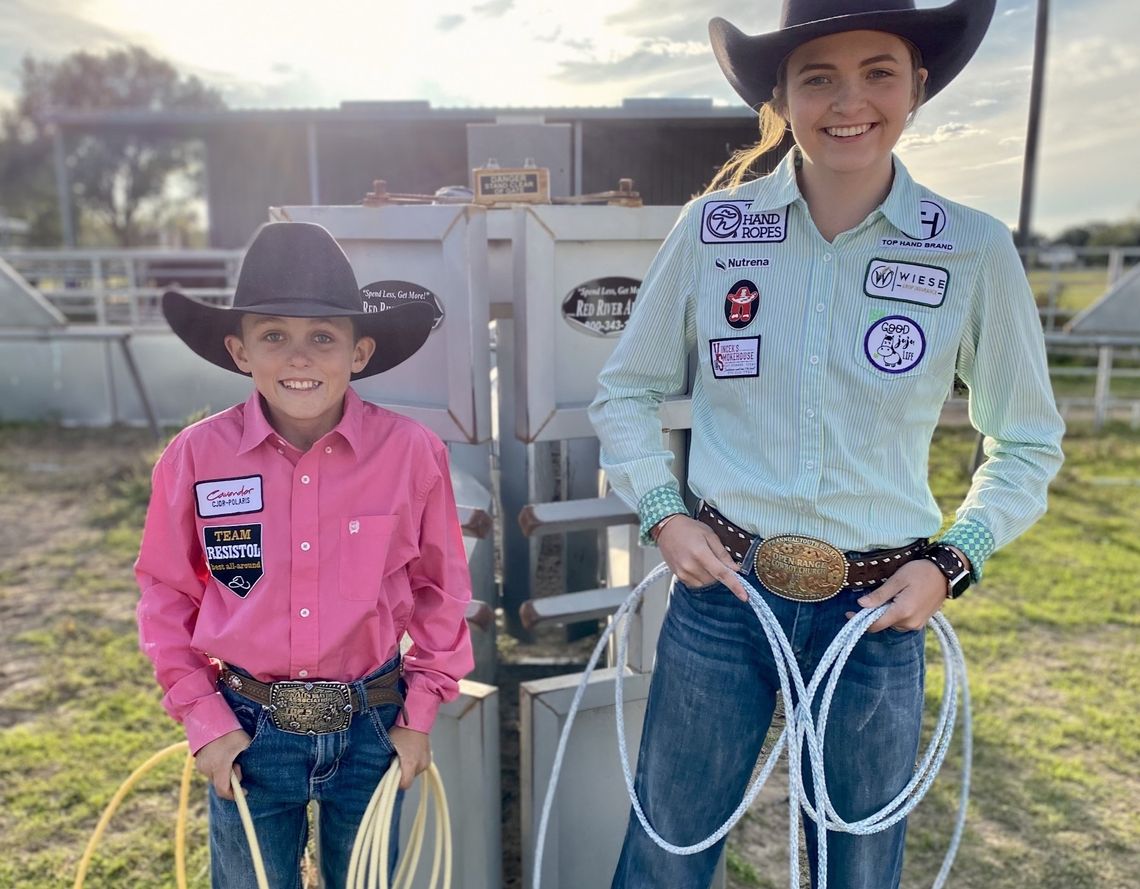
779 188
257 427
902 208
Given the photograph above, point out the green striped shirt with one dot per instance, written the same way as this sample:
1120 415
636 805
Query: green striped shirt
821 369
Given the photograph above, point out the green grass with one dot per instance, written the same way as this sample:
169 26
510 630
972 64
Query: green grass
1078 288
1054 657
1052 637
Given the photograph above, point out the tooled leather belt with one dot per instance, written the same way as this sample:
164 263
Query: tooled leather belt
315 707
805 569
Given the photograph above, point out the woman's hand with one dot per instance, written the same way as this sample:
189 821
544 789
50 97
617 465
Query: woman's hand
696 555
414 750
915 593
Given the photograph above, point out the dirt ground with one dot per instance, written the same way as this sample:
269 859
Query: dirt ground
47 478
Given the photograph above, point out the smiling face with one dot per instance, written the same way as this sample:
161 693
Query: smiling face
301 367
848 97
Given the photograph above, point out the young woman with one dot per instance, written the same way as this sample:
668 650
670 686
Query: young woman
830 305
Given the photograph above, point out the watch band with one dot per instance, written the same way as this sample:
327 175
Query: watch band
952 566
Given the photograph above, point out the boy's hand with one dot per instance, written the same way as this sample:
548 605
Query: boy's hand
414 750
216 760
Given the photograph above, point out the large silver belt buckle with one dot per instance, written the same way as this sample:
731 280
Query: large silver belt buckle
801 568
310 708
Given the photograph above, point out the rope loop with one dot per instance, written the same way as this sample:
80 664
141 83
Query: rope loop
801 730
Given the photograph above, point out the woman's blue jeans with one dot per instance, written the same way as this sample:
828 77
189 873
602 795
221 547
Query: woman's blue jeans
710 704
281 773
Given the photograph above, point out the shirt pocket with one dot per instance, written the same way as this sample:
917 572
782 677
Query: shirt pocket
365 543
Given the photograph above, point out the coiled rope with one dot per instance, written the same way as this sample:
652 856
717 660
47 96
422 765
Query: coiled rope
800 727
368 865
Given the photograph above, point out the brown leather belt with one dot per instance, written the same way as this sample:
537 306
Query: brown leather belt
805 569
318 706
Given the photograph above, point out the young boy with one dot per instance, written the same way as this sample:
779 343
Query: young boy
290 542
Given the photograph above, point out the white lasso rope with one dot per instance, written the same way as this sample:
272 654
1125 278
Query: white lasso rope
800 727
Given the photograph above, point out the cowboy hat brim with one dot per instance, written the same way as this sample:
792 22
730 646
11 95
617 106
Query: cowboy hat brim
947 37
399 332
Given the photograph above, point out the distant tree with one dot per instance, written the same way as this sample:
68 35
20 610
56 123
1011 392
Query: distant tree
118 176
1102 234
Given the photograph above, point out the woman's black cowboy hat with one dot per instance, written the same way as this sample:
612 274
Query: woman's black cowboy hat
946 36
297 270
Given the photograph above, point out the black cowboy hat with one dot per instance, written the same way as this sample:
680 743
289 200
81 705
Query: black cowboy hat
297 270
946 36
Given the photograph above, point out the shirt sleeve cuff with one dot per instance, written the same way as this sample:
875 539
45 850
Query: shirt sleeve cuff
975 540
210 718
660 502
421 708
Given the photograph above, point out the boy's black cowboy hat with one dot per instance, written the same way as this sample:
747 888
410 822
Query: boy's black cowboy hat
297 270
946 36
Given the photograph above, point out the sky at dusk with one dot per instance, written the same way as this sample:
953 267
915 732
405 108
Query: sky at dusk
967 143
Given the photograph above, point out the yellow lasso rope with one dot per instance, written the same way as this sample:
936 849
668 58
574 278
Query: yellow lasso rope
368 866
372 838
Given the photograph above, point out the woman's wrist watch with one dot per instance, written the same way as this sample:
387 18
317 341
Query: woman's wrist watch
947 560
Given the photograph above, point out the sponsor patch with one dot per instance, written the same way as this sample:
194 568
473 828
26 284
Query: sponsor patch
726 263
602 306
228 496
895 344
730 222
735 357
934 219
908 282
233 554
740 304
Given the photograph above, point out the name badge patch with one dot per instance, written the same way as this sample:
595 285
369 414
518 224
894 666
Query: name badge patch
228 496
730 222
895 344
908 282
735 357
233 554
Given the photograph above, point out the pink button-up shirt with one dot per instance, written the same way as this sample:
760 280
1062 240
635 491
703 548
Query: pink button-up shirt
297 565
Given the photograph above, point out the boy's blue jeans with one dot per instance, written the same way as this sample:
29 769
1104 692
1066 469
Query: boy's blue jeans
281 773
710 704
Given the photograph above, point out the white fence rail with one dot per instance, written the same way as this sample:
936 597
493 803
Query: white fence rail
123 288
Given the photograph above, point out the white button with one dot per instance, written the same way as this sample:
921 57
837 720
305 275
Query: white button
810 413
819 307
827 257
304 546
809 465
304 612
328 449
304 479
302 673
280 450
280 442
814 359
